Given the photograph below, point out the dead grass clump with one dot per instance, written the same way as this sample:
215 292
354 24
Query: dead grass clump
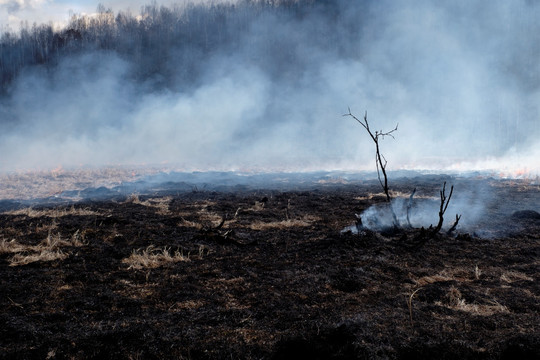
153 257
425 280
47 250
190 224
200 210
460 274
43 255
284 224
11 246
52 213
78 239
511 276
455 301
205 215
161 204
56 241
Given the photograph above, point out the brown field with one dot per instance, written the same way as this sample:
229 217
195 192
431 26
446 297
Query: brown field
267 273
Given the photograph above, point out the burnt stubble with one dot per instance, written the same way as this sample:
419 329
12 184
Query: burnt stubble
262 273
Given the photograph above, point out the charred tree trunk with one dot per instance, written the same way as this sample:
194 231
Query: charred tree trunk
444 205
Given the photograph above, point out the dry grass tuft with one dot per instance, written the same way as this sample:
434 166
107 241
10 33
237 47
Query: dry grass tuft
460 274
153 257
12 246
56 241
511 276
206 216
200 211
52 213
284 224
43 255
160 203
455 301
189 224
47 250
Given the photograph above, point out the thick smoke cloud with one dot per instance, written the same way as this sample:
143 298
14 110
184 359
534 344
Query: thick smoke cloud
460 77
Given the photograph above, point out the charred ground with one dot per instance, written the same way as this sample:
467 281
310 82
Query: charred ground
259 273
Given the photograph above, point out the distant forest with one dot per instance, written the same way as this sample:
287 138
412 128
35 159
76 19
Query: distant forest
167 46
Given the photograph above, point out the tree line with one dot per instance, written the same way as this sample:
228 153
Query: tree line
162 41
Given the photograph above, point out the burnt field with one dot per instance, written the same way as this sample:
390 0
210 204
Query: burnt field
252 272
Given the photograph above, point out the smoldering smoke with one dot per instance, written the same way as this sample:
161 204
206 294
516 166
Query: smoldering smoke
264 88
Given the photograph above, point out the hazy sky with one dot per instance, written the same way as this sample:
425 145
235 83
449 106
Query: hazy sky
12 12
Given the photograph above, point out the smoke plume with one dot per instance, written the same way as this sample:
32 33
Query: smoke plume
253 87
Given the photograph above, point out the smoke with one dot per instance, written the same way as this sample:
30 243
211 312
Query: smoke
460 77
469 200
13 6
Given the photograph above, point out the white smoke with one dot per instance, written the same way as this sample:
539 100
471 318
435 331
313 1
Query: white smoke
460 77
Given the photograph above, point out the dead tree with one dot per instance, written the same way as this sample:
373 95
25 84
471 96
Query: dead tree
409 207
380 160
451 230
444 205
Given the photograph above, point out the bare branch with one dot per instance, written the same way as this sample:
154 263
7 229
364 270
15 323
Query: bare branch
380 160
458 217
389 133
444 205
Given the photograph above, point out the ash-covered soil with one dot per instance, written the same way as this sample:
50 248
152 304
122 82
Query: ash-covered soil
253 273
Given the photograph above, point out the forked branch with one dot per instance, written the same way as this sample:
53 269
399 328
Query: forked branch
444 205
451 230
380 160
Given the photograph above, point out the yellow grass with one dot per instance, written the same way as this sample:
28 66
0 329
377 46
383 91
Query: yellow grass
153 257
159 203
460 274
52 213
202 213
43 255
39 184
190 224
11 246
48 249
259 225
511 276
455 301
